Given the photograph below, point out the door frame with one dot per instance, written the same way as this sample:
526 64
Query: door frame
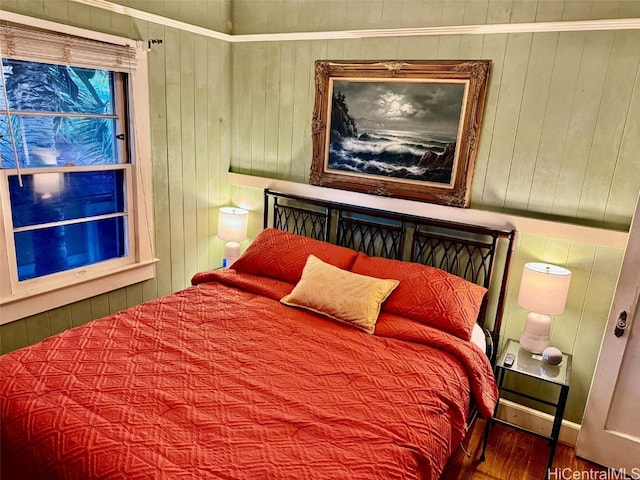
593 432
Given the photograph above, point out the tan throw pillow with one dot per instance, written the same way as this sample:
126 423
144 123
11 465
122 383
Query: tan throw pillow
341 295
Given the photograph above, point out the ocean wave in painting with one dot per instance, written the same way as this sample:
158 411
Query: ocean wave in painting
395 154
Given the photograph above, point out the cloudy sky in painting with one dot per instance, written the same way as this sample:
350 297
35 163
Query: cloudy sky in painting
417 106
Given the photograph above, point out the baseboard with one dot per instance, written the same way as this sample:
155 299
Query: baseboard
537 421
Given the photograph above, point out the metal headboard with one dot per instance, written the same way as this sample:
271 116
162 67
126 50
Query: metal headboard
479 254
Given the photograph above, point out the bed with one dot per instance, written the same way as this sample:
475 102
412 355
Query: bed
339 346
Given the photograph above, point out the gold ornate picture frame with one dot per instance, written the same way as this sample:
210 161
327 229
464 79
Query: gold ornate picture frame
406 129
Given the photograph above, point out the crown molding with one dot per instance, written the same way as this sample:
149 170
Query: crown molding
573 26
152 17
537 27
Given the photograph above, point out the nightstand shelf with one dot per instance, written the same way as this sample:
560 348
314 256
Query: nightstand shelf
531 365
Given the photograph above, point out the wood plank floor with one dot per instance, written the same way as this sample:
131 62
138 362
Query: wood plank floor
512 455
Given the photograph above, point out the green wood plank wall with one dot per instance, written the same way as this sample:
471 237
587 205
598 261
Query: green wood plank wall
559 140
561 119
189 94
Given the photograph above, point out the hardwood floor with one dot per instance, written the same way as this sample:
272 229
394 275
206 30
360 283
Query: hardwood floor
514 455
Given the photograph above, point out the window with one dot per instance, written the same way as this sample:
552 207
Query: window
67 200
75 207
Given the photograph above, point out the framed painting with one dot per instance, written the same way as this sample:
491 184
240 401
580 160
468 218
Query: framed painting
406 129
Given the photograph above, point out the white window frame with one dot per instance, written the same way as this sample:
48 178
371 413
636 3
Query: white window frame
22 299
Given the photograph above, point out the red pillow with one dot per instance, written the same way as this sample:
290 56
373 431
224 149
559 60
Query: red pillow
282 255
427 294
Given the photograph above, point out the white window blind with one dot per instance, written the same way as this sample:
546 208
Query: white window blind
50 47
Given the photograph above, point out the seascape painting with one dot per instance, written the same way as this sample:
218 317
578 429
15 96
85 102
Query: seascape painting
398 128
404 130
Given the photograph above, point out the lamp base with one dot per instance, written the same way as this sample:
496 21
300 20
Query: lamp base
231 253
535 336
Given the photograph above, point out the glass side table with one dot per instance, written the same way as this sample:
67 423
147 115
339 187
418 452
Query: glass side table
531 365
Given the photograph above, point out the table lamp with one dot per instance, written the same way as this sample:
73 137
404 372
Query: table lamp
543 291
48 184
232 227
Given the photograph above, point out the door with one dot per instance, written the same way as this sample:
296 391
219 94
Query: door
610 432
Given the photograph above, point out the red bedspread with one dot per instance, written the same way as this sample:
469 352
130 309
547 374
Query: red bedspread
218 382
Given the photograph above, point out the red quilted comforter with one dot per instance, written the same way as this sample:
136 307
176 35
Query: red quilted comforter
221 382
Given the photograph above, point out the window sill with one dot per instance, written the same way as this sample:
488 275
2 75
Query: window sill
27 304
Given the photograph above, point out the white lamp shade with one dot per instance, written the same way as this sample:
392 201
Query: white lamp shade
544 288
543 291
48 183
232 224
